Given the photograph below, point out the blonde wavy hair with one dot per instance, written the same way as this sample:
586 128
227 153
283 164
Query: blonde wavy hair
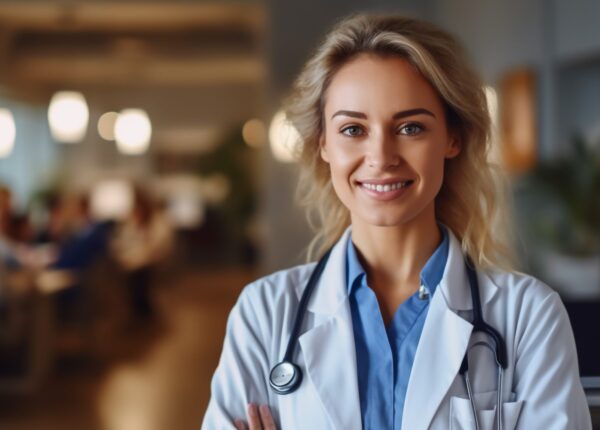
472 196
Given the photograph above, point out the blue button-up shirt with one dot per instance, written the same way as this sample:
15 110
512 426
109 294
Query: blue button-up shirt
385 355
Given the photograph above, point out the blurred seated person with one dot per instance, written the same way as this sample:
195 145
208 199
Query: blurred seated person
16 236
8 244
64 251
143 240
81 239
72 239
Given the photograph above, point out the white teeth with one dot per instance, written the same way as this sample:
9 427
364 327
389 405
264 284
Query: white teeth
385 188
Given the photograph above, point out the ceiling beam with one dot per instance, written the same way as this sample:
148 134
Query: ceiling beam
115 16
78 71
6 39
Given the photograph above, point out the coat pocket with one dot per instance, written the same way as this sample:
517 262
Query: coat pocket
461 414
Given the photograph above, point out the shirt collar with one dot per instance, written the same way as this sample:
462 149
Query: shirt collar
354 270
431 275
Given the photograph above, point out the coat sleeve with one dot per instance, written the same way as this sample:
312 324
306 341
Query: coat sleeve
242 372
547 373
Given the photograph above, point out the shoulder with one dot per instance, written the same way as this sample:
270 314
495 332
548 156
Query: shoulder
278 288
266 306
522 287
529 303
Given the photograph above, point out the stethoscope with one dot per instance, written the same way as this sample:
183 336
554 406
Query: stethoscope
286 376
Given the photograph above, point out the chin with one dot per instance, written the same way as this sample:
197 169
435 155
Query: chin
384 220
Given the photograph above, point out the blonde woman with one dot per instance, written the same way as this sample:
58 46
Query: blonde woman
415 318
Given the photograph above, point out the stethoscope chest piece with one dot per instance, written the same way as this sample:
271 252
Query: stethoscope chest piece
285 377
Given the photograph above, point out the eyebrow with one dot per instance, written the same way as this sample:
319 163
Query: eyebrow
397 115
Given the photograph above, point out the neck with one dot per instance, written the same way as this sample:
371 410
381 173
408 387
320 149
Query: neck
393 257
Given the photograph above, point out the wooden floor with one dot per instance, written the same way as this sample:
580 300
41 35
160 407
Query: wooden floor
142 377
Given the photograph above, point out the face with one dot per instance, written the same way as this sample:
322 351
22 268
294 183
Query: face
385 141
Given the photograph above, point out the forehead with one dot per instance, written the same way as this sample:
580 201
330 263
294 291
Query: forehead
380 84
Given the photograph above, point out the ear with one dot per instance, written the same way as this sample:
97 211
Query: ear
322 149
454 147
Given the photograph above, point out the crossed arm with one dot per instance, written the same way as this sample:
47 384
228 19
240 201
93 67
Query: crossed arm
259 418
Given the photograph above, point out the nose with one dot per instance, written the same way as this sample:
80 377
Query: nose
382 152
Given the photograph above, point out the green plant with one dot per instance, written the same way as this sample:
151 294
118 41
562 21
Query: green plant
234 160
564 200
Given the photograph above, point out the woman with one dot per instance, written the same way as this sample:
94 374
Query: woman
395 135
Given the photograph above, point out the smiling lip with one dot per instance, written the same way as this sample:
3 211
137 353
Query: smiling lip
385 189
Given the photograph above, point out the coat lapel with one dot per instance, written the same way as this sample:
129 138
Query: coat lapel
328 347
444 340
437 360
329 354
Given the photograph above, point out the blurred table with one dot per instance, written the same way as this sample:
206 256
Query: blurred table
28 325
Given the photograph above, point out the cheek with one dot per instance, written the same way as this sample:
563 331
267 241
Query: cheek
342 159
433 171
428 161
342 167
341 171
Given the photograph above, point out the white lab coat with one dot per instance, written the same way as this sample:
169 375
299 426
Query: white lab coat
541 388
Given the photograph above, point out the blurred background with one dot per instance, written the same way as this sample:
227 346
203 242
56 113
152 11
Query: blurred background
146 177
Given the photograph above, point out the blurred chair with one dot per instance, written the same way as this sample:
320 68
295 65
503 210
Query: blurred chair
26 333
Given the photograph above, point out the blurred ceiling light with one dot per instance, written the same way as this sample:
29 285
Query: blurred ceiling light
106 125
111 199
283 137
183 195
133 131
185 210
7 133
68 116
254 133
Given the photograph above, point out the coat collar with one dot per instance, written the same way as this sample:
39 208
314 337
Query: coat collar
332 338
331 290
431 377
455 284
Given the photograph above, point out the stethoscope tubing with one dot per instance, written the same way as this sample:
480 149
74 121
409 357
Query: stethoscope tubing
286 376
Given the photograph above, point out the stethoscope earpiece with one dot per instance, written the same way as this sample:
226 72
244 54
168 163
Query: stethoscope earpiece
285 377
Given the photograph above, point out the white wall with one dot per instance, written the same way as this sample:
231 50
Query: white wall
498 35
538 34
35 154
578 58
577 28
579 107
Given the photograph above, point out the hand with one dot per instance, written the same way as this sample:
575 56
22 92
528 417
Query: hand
259 418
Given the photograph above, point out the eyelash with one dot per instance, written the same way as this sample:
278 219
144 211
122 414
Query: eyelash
414 124
345 129
420 127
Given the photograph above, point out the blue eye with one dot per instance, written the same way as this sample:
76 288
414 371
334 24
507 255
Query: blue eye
352 130
411 129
